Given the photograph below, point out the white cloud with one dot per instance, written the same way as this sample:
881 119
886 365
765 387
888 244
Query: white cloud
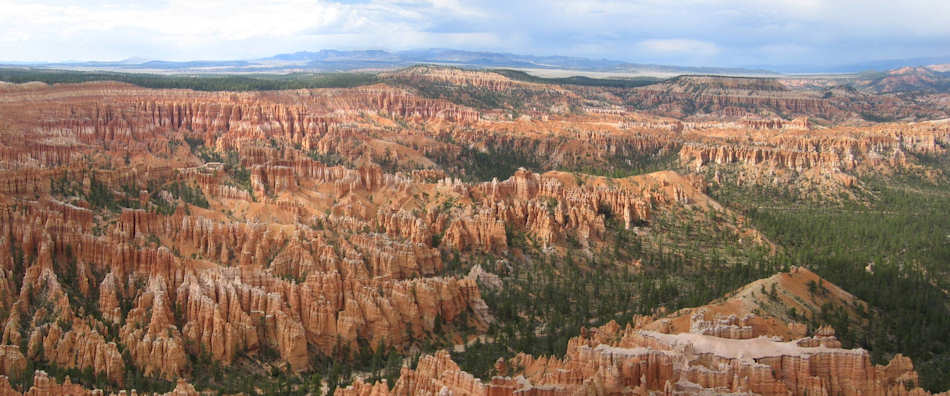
680 46
786 49
722 32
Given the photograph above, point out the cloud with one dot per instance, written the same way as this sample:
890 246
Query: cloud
709 32
680 46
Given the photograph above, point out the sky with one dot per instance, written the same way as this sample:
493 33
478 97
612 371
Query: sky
685 32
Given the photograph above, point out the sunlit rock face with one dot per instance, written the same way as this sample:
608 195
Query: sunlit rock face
752 355
148 227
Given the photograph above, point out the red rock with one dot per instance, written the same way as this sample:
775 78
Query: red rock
12 361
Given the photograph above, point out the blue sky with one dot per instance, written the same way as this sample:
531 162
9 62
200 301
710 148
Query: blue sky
687 32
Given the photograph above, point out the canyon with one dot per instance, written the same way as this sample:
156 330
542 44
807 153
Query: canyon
149 233
638 361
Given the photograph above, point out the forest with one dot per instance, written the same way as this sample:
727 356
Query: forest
579 80
216 82
899 228
886 240
890 248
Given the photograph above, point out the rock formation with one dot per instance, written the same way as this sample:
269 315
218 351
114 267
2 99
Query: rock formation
142 228
712 357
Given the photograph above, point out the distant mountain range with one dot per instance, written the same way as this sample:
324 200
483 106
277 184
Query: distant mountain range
374 60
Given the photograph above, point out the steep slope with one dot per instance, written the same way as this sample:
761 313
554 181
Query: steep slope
152 234
705 358
906 79
243 240
712 97
780 305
